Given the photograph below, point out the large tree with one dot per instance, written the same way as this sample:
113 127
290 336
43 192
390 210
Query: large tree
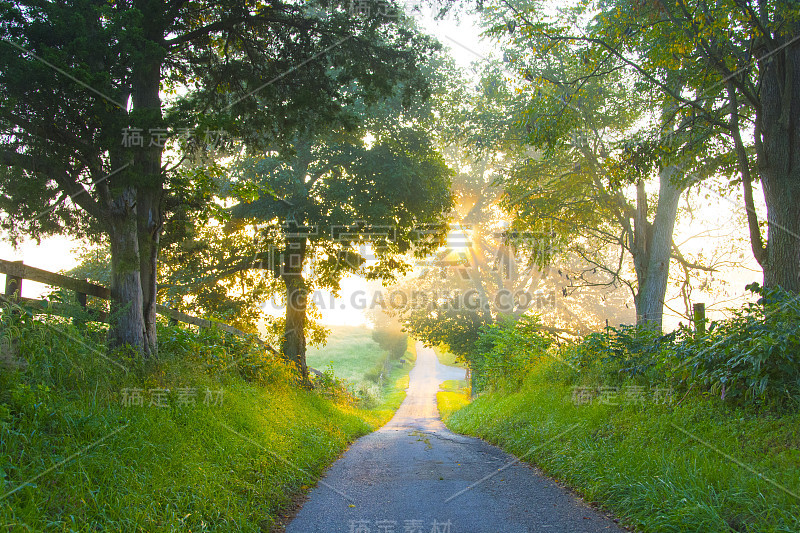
360 198
83 115
745 56
607 124
728 67
334 199
577 171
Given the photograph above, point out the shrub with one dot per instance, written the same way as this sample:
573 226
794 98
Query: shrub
331 387
753 357
617 354
507 351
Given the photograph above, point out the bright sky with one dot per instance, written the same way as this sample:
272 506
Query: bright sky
53 254
461 36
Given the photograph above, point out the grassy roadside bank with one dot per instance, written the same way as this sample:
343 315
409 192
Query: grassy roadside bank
661 466
213 436
394 389
453 396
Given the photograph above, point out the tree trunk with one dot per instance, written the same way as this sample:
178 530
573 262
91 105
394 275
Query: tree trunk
294 337
147 166
127 321
149 230
778 148
654 255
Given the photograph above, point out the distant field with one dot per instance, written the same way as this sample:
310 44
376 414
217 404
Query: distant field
350 351
355 357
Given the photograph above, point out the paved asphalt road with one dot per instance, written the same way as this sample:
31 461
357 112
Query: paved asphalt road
402 479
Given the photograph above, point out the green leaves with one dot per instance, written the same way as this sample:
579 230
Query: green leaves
508 350
753 357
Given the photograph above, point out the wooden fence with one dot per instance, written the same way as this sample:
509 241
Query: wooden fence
16 271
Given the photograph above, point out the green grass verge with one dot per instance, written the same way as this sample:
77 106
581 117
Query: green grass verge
394 389
455 385
75 456
640 462
446 358
449 402
454 395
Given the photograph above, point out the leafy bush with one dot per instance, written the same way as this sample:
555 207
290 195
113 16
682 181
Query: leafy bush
331 387
753 357
381 370
507 351
220 352
617 354
378 370
369 395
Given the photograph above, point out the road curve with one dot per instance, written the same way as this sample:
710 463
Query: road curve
403 479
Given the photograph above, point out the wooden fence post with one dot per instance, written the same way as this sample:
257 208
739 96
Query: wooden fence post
81 297
16 271
9 347
14 285
14 289
699 318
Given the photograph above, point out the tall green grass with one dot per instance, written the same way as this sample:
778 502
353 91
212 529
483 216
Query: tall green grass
688 431
645 461
75 457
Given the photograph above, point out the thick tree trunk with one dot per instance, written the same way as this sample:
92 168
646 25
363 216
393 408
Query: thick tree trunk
652 257
127 327
778 148
293 344
147 164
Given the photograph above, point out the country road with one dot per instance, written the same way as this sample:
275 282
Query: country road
415 476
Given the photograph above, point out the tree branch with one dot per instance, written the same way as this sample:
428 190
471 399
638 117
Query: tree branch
678 256
68 183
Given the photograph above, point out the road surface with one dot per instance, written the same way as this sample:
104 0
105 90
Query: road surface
415 476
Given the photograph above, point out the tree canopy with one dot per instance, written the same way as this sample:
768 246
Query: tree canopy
93 93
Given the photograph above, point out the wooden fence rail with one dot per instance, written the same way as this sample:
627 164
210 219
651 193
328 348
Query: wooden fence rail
16 271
